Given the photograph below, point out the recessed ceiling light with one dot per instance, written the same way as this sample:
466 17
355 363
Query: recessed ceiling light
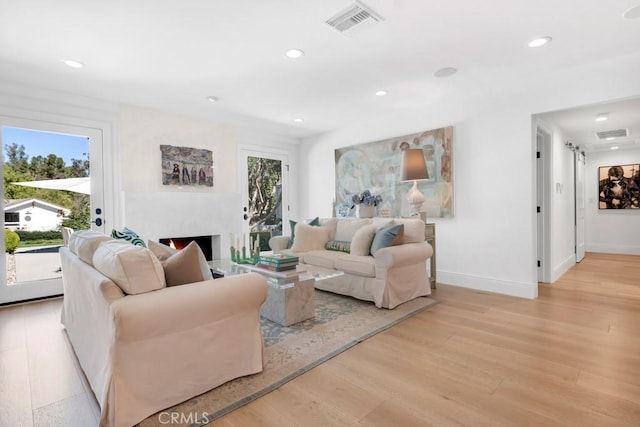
73 63
602 117
540 41
381 93
445 72
632 12
611 138
294 53
615 147
298 120
212 98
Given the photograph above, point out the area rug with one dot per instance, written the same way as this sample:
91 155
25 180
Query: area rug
340 323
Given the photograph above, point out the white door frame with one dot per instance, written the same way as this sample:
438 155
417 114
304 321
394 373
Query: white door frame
265 152
44 288
580 218
543 141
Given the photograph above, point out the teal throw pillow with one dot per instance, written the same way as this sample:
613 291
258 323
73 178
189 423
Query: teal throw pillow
388 236
315 221
338 245
128 235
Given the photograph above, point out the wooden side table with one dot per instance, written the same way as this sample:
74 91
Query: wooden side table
430 237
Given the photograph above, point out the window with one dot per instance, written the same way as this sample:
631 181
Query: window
11 217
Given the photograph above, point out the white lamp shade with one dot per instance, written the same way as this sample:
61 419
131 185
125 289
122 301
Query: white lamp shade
414 166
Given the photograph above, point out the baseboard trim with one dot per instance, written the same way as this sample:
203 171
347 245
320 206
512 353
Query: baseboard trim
516 289
28 301
563 267
614 249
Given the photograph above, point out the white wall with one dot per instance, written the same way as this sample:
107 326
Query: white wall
610 231
143 130
562 205
490 244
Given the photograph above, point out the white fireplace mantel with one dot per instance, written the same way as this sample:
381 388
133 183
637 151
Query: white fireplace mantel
182 214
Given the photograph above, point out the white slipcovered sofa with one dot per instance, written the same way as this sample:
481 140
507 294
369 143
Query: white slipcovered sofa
144 346
388 276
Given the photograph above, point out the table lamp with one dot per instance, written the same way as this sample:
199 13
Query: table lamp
414 168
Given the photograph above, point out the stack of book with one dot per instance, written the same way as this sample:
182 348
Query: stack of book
278 262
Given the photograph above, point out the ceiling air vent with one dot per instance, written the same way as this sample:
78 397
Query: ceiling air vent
354 15
618 133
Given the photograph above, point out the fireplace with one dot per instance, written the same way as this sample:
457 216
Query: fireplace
160 214
205 243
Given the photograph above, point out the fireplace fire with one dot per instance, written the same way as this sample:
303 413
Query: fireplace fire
205 243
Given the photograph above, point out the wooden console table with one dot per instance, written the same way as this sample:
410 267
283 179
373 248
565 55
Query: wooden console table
430 237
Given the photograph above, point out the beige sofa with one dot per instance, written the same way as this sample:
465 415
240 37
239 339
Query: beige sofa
150 349
388 277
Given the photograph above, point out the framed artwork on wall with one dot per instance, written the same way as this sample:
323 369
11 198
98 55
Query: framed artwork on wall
619 186
186 167
375 166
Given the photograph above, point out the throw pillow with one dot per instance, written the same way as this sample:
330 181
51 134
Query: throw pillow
164 252
310 238
85 242
128 235
292 225
362 239
338 245
413 230
134 269
184 266
347 227
331 224
388 236
382 222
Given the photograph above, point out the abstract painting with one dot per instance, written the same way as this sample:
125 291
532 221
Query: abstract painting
184 166
375 166
619 186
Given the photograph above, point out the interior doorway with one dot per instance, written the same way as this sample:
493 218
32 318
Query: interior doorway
45 159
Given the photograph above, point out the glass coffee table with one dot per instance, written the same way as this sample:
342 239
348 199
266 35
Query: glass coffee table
291 295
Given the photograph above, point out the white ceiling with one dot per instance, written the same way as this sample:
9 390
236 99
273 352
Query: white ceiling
171 54
580 125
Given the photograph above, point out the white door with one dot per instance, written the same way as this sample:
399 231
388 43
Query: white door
34 272
264 184
580 205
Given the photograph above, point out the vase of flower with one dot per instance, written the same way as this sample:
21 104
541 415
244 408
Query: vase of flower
365 204
365 211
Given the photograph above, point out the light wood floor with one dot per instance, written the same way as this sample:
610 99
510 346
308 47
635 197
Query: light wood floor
570 357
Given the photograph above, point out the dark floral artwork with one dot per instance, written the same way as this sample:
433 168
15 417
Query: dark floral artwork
619 186
186 167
